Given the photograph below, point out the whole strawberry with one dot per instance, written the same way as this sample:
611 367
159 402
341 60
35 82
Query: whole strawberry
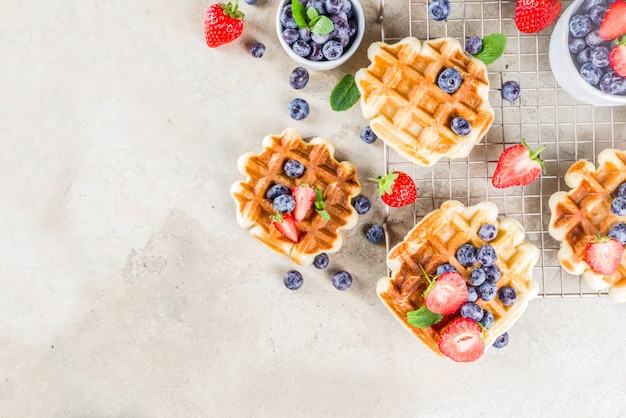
223 23
518 165
534 15
396 189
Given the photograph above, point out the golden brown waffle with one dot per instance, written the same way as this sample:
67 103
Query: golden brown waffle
585 211
434 241
338 183
408 110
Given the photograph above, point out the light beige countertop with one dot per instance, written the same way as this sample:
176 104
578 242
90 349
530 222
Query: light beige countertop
129 290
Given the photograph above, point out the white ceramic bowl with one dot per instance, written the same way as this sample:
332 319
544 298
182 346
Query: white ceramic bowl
565 71
324 65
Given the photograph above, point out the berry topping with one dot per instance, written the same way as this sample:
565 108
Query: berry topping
367 135
477 276
286 225
604 254
275 191
460 126
321 261
507 295
472 295
293 280
518 165
461 341
298 78
223 23
486 255
396 189
492 273
257 49
293 168
473 44
444 268
298 109
303 196
617 58
362 205
501 341
449 80
488 232
439 9
613 25
618 206
472 311
618 231
621 190
446 294
510 90
375 233
466 254
342 280
284 203
487 291
534 15
487 320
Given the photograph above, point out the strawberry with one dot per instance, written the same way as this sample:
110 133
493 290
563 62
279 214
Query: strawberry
534 15
613 24
446 294
304 196
396 189
617 57
462 340
223 23
518 165
604 254
286 225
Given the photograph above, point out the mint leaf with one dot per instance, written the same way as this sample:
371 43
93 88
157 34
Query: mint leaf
311 13
345 94
325 215
322 26
422 318
493 47
299 14
314 21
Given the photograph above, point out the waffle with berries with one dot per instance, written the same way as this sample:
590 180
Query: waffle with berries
410 112
434 241
583 212
336 181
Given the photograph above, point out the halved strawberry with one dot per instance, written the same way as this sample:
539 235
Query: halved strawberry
396 189
462 340
604 254
304 195
518 165
614 22
446 294
534 15
617 57
286 225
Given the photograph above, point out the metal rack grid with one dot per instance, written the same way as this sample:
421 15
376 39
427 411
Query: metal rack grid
544 115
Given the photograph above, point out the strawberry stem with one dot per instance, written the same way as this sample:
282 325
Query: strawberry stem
232 10
534 155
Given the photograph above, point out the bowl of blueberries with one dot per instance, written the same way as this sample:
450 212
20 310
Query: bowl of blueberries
582 61
320 34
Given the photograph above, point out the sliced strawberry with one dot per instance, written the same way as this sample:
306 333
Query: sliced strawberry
604 254
396 189
617 57
286 225
518 166
534 15
446 294
461 340
304 196
614 22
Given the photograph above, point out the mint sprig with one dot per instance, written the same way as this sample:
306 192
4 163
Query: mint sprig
310 19
320 205
345 94
493 47
422 317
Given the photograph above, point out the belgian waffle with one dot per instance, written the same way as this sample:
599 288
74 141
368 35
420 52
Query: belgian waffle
338 183
434 241
408 110
585 211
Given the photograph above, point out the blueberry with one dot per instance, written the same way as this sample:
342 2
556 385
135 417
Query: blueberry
353 27
507 295
612 83
488 319
290 35
293 279
257 50
316 52
596 13
477 276
472 295
342 280
286 18
361 204
301 48
449 80
340 25
444 268
332 50
600 56
621 190
320 39
375 233
298 109
501 341
618 206
466 254
473 44
298 78
580 25
492 273
251 2
304 34
510 90
488 232
618 231
321 261
472 311
275 191
593 38
584 55
460 126
590 73
439 9
317 5
487 291
589 4
487 255
284 203
347 7
576 45
293 168
342 38
333 6
367 135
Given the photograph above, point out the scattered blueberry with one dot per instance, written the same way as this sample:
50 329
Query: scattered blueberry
510 90
487 255
298 109
507 295
367 135
488 319
580 25
275 191
293 168
473 44
576 45
618 231
293 280
501 341
590 73
444 268
488 232
600 56
618 206
284 203
472 295
477 276
460 126
487 291
342 280
298 78
472 311
332 50
449 80
439 9
621 190
466 254
321 261
286 18
257 49
492 273
361 204
251 2
375 233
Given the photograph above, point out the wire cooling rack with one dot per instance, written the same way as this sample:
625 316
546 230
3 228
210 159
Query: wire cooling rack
543 115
